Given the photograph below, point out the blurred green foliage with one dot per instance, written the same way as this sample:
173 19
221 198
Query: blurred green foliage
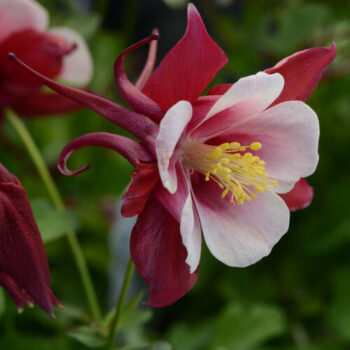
299 296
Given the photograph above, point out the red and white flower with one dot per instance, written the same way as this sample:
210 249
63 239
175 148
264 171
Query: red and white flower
59 53
214 163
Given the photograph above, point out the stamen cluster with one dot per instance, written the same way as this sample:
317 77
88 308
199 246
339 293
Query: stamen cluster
234 170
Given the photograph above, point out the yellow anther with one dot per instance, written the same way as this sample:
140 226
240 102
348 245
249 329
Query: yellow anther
235 145
259 188
224 193
255 146
216 153
247 155
224 146
237 172
225 161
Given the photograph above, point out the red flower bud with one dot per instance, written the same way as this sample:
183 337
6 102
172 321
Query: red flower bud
24 270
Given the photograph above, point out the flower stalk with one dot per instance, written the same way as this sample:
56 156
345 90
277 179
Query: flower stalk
117 313
56 198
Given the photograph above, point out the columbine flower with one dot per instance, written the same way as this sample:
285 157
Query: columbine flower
211 163
24 271
56 52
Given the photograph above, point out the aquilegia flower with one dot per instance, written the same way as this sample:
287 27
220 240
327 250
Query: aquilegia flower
214 163
57 52
24 271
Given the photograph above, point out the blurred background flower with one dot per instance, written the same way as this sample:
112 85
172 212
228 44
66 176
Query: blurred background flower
298 297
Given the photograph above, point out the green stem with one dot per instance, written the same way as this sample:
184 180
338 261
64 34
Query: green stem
116 317
58 202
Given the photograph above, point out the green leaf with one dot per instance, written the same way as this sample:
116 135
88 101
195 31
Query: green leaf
295 26
338 314
52 224
176 3
160 345
237 327
90 337
247 327
85 24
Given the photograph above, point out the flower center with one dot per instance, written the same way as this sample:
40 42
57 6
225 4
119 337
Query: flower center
235 171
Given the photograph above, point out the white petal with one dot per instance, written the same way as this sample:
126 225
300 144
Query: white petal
17 15
260 90
289 134
170 130
191 234
77 67
240 235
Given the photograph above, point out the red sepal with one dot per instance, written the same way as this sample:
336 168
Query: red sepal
302 71
143 180
159 255
300 196
188 68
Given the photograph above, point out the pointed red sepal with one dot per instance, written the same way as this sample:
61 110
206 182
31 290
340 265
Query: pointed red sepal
300 196
219 89
130 93
18 294
159 255
24 270
131 150
188 68
139 125
143 180
302 71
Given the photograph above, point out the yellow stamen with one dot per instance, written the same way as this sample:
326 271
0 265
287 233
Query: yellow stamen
255 146
241 173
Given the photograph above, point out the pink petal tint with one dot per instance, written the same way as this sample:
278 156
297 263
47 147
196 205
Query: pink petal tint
230 164
24 271
59 53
